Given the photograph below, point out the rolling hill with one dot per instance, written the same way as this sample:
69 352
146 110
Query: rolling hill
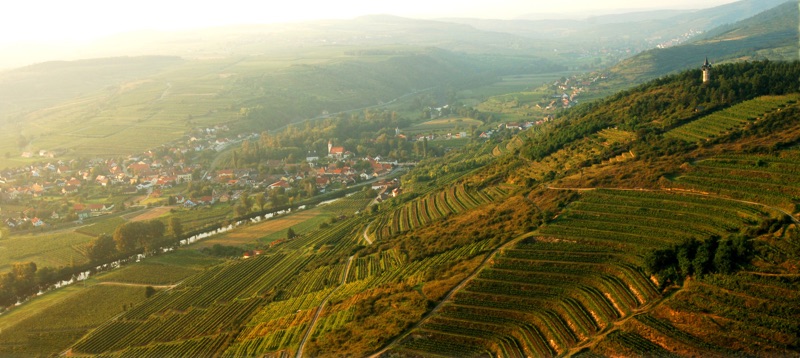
650 244
64 108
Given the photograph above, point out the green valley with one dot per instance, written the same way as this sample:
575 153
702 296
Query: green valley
388 187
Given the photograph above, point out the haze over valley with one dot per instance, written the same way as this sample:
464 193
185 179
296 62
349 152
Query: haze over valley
362 178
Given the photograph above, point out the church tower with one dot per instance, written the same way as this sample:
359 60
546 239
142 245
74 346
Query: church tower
706 71
330 145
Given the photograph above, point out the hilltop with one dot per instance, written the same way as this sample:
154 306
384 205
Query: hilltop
613 229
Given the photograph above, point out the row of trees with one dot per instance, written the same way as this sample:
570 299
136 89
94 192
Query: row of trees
132 236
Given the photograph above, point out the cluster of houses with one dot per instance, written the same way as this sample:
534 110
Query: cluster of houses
570 89
152 172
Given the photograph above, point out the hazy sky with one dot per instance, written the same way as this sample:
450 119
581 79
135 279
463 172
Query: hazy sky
80 20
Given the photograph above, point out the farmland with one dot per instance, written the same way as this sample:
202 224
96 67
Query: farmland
768 179
479 253
55 249
574 277
721 122
433 206
54 328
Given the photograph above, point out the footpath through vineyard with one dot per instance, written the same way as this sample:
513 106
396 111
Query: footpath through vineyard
322 307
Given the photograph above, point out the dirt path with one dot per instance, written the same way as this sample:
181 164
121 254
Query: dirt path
321 308
366 237
450 294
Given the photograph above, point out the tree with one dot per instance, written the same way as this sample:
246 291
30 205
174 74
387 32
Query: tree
724 257
290 234
149 291
261 200
101 249
174 227
24 278
703 260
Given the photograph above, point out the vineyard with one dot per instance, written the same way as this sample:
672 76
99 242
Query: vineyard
768 179
54 328
750 313
433 206
636 221
574 277
600 145
245 307
348 205
721 122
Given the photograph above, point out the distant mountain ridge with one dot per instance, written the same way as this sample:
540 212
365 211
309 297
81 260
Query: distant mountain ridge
772 34
636 26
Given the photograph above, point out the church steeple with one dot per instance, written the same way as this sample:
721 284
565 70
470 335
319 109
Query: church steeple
706 71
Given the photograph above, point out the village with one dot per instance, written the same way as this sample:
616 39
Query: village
61 191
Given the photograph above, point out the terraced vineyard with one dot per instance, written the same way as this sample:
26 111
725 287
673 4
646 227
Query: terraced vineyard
769 179
637 221
579 154
574 277
433 206
750 313
721 122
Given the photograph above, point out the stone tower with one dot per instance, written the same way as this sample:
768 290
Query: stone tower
706 71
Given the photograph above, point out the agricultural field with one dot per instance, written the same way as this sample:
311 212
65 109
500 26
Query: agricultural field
604 145
153 213
53 249
196 218
562 285
269 230
637 221
511 84
750 312
104 226
724 121
51 327
273 292
440 126
767 179
349 205
433 206
163 269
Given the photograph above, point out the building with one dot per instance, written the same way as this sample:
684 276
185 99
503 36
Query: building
706 71
335 152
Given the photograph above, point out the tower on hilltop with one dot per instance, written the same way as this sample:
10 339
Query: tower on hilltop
706 71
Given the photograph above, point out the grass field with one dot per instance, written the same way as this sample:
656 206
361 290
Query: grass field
54 249
269 230
443 125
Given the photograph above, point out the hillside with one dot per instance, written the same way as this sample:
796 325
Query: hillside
632 226
161 99
771 35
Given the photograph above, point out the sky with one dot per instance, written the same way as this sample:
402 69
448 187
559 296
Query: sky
53 21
